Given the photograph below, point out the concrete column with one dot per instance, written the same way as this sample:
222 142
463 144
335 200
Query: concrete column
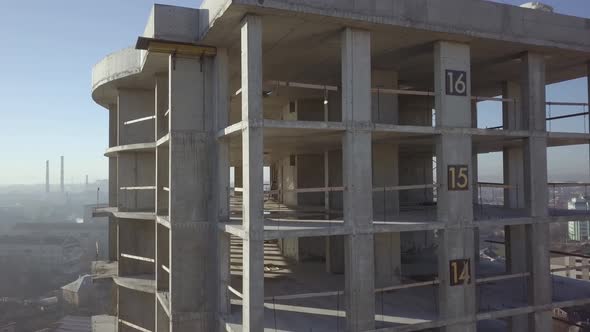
161 104
162 236
238 173
535 187
514 236
289 180
513 177
588 96
386 207
474 162
513 162
356 157
385 174
113 189
475 181
385 109
252 164
61 175
335 244
221 95
47 177
193 232
161 128
327 183
457 240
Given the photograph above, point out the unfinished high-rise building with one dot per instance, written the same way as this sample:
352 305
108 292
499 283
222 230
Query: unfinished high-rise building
312 165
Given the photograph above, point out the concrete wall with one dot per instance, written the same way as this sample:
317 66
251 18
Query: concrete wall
134 104
129 310
137 239
136 169
310 174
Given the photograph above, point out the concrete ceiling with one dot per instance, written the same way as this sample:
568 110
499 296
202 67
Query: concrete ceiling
306 48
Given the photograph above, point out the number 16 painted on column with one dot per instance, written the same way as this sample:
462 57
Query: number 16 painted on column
456 83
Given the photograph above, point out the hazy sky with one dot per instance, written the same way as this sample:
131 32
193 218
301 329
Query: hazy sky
49 49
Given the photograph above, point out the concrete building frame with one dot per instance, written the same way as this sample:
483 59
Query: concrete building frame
387 87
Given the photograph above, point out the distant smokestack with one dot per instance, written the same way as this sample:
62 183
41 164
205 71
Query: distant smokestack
86 181
47 176
62 174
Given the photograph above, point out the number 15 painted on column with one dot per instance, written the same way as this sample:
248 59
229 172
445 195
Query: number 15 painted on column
458 177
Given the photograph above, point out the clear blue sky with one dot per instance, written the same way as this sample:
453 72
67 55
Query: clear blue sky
49 48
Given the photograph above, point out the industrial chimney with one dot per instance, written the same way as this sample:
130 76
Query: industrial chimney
62 174
47 176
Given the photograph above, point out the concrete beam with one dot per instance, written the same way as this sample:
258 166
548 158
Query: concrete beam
358 206
252 170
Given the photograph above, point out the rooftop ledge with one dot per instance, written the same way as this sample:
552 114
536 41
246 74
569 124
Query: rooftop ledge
217 23
466 18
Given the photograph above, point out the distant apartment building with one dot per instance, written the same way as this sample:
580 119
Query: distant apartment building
571 267
578 230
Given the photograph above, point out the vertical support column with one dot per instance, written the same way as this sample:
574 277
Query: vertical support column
588 96
386 207
514 236
161 128
454 154
61 178
252 168
193 232
47 177
113 189
161 105
221 101
356 156
474 156
327 182
161 236
535 187
475 181
514 178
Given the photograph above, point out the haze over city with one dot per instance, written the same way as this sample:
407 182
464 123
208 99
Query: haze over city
54 115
